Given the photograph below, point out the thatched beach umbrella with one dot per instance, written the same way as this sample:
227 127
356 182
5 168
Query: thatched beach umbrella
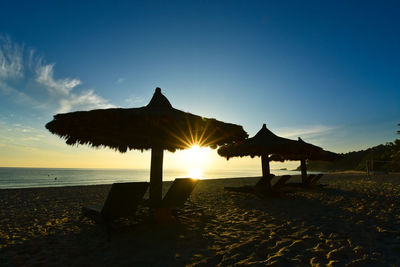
262 144
317 153
309 152
157 126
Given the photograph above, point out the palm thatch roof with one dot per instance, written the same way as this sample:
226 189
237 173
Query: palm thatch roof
317 153
263 143
156 125
310 152
323 155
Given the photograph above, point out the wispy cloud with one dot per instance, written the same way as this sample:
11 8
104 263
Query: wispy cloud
85 100
120 80
26 78
134 101
11 65
20 135
45 76
312 132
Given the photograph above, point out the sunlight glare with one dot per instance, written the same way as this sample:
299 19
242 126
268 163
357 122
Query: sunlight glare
196 154
195 173
195 160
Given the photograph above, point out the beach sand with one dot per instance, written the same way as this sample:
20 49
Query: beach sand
354 221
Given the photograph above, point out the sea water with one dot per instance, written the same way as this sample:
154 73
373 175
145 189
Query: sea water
50 177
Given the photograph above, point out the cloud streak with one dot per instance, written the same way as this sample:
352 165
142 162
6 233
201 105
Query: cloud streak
26 78
85 100
10 59
45 77
120 80
134 101
14 135
310 132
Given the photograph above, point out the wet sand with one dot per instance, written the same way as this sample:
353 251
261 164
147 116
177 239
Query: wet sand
354 221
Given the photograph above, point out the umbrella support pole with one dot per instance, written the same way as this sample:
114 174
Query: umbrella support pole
265 165
266 171
303 168
156 167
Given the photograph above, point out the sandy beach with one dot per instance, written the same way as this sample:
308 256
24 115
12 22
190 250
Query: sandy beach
354 221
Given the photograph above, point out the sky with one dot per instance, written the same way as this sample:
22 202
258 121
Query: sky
325 71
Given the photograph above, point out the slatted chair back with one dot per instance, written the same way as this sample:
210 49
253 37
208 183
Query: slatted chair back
179 192
315 180
263 186
309 179
281 182
123 199
265 182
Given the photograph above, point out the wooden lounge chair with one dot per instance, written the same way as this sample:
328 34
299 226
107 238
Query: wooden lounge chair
281 182
122 202
308 180
173 203
179 193
263 184
263 187
314 181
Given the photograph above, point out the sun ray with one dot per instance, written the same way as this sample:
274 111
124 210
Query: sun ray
195 133
202 134
190 129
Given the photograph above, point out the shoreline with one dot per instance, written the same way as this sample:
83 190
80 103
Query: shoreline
354 220
204 178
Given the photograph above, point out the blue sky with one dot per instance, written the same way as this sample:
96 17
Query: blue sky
327 71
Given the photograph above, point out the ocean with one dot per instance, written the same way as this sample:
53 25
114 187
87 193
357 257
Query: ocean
51 177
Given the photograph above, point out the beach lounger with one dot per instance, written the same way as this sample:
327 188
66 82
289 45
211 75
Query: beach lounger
281 182
309 179
176 200
122 202
272 190
310 182
179 193
314 181
263 187
264 184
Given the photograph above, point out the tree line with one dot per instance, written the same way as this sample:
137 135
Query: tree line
384 158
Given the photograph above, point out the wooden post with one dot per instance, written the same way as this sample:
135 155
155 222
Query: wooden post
265 165
372 166
266 183
156 176
303 168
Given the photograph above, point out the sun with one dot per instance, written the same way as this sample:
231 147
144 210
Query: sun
195 153
195 158
195 173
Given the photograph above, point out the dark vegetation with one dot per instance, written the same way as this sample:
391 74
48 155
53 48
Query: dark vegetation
381 158
384 158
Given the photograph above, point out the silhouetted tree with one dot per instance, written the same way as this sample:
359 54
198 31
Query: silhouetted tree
386 158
